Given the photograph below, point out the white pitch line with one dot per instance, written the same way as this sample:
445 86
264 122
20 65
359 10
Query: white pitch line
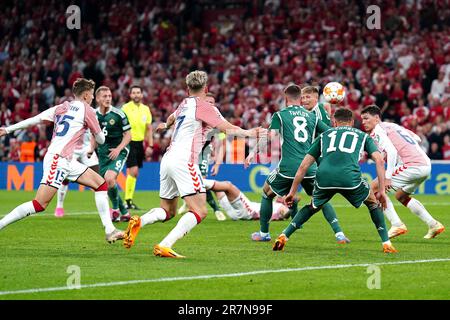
82 213
216 276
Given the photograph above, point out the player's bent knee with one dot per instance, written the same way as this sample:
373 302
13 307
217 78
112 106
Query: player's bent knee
38 207
403 198
102 187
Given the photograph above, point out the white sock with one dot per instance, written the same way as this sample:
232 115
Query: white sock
154 215
225 204
186 223
419 210
20 212
102 203
388 242
340 233
238 206
392 215
61 194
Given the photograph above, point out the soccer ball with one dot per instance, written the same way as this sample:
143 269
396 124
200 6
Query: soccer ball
334 92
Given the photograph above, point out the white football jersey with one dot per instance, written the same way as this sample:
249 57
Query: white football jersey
71 120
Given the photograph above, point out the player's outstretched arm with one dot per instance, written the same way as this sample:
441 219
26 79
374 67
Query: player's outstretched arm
304 166
379 163
46 115
260 146
231 129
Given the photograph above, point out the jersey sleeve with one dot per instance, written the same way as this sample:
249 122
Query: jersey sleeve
321 126
48 115
315 149
91 120
370 146
208 114
125 123
275 123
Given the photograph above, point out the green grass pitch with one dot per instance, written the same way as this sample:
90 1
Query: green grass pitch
222 263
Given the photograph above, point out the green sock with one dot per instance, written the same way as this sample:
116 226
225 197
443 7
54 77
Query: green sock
265 213
378 219
293 210
330 215
122 208
113 194
211 201
300 218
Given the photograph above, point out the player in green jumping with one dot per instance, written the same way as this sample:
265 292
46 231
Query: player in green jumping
297 128
338 151
114 152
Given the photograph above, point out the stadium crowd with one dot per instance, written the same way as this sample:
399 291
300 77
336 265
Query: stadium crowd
404 67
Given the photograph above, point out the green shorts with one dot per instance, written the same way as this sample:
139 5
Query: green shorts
355 196
281 185
115 165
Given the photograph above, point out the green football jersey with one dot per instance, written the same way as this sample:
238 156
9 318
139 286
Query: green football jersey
338 151
297 128
113 124
322 114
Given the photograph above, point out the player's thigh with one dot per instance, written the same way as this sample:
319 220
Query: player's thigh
45 194
359 195
374 185
136 157
115 165
55 170
197 203
278 184
409 179
321 196
167 186
308 185
90 178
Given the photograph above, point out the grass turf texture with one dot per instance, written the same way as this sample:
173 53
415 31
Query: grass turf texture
37 251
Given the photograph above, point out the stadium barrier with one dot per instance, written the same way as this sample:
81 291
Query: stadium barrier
27 176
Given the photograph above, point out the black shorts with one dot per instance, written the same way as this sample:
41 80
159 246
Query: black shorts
137 154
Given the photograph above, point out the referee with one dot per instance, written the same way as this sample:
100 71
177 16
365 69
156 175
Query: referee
140 120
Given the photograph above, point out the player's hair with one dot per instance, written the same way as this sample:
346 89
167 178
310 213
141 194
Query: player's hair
101 88
135 86
310 89
372 109
196 80
209 94
81 85
343 115
293 91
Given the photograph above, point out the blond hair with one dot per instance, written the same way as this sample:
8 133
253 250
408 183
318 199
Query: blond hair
101 88
196 80
310 89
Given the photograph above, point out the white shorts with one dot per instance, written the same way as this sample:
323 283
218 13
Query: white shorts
81 156
409 178
179 178
58 169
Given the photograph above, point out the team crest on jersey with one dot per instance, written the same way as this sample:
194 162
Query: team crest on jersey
112 122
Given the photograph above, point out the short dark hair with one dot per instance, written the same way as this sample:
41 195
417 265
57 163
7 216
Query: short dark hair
135 86
81 85
293 91
372 109
343 115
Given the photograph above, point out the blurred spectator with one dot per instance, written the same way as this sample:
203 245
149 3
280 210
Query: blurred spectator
435 153
446 148
404 68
